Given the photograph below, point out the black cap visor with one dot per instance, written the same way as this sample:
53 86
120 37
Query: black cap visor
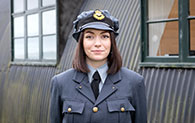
94 25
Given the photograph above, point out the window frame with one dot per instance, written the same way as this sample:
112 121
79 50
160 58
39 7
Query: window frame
40 10
183 59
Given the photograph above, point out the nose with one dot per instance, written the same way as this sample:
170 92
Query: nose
98 42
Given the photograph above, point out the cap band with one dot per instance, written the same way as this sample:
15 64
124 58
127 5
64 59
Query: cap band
96 25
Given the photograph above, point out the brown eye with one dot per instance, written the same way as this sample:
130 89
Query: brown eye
106 36
88 37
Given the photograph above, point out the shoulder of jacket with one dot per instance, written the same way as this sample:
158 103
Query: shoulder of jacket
66 74
127 73
63 77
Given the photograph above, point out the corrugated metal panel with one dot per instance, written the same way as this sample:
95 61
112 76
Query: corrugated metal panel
26 94
4 35
127 11
2 81
3 21
25 89
170 95
4 56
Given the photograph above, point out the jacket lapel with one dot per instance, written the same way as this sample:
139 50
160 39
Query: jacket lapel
83 85
109 87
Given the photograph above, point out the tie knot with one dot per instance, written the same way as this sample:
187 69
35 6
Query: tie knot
96 76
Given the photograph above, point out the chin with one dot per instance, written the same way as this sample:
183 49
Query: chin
98 59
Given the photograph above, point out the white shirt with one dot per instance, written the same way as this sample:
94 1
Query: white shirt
102 70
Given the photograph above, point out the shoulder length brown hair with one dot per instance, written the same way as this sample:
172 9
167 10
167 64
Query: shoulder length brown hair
114 57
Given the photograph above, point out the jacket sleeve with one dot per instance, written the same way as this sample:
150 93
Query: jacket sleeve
55 102
139 102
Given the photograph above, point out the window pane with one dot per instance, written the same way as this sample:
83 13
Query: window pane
49 47
19 27
192 37
18 5
33 48
163 39
48 2
33 24
19 48
192 7
162 9
49 27
32 4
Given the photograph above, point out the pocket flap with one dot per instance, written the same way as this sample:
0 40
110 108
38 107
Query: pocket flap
73 107
119 105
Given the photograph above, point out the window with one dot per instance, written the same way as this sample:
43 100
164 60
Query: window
34 31
168 31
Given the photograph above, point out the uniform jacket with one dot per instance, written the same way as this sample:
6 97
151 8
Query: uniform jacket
122 99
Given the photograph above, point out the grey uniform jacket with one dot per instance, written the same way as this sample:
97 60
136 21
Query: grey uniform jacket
122 99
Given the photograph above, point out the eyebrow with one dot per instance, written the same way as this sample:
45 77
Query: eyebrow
104 32
93 32
89 32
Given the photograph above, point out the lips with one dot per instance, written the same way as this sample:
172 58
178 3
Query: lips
97 50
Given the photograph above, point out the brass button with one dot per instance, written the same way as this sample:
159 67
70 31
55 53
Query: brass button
80 86
122 109
113 87
95 109
69 109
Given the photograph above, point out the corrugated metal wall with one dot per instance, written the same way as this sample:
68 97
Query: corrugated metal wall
25 94
4 57
24 90
170 95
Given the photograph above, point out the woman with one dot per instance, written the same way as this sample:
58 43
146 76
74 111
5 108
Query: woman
97 89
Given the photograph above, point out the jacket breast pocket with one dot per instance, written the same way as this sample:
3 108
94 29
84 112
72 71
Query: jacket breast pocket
72 111
121 108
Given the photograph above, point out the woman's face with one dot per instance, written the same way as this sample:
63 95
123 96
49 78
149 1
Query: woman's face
97 45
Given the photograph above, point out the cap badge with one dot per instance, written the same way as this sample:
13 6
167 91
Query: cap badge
98 15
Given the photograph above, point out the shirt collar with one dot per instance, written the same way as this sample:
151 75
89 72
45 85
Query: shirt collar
102 70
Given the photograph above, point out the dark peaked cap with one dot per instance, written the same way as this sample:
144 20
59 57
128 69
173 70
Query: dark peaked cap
95 19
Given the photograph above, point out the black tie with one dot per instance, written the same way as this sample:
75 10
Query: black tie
95 84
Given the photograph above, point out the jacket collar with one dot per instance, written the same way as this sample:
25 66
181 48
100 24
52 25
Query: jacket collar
79 76
115 77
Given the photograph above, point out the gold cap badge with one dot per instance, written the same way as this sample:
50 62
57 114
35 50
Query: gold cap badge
98 15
